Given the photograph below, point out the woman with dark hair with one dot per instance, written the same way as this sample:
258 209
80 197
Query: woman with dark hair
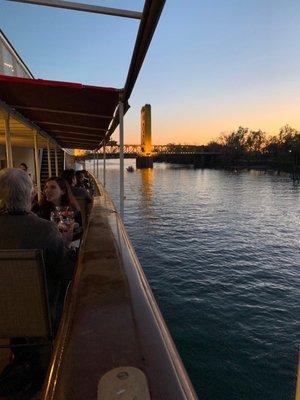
58 196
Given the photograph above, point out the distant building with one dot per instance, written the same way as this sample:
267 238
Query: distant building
10 62
146 130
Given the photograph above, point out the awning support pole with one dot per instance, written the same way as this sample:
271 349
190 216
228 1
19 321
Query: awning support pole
94 162
104 163
37 166
49 159
9 158
56 161
121 140
97 156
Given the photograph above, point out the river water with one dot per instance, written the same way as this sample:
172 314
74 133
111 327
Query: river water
221 252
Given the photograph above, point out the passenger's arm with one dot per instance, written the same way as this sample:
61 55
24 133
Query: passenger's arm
60 259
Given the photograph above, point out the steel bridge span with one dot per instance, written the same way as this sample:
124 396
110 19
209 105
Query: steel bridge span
134 149
163 153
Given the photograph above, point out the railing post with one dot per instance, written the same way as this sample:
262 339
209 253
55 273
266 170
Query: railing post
56 161
121 140
9 157
37 166
104 163
49 159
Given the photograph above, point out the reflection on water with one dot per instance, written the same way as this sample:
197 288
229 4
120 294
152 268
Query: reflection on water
147 183
221 252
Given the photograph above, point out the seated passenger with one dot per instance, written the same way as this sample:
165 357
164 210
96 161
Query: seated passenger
23 167
21 229
81 181
79 192
87 182
57 194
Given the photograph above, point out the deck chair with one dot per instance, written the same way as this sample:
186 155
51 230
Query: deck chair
24 304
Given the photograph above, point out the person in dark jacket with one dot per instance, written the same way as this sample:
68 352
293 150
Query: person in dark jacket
88 182
83 182
21 229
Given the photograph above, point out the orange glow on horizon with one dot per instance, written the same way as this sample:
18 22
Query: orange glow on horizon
199 132
199 120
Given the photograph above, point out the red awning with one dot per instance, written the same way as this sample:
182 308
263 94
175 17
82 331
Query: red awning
75 115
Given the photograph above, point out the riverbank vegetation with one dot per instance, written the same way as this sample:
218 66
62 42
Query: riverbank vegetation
253 148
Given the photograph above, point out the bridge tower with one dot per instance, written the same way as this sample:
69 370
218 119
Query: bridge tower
144 159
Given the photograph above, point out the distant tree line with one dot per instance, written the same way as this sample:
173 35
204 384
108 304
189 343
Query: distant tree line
245 146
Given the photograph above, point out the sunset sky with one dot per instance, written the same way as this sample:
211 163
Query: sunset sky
213 65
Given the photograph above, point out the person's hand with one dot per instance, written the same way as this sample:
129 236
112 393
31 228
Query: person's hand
67 232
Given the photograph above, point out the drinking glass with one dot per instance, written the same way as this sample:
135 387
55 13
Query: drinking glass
55 217
67 219
62 208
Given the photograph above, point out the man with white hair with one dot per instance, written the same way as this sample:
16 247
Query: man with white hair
22 229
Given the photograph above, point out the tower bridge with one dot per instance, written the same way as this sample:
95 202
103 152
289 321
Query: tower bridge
146 153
